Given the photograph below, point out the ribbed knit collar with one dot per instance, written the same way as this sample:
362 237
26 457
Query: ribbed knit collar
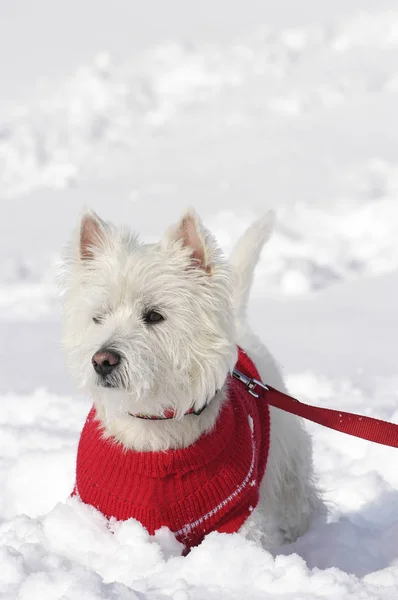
164 463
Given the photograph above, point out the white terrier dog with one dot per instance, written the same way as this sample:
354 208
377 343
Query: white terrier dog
151 333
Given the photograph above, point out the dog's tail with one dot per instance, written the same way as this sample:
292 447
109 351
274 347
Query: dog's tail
244 258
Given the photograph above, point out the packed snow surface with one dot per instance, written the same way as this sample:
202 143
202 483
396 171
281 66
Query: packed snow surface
296 111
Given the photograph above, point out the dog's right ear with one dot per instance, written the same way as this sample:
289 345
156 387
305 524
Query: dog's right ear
92 235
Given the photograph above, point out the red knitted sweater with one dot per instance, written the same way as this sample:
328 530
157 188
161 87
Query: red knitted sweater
212 485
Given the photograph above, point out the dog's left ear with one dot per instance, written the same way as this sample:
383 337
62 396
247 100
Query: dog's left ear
192 235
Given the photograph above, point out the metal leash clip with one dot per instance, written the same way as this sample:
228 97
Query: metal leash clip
250 384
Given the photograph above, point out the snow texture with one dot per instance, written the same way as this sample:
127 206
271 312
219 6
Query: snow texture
287 109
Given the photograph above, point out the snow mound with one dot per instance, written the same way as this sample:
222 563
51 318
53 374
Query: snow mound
72 553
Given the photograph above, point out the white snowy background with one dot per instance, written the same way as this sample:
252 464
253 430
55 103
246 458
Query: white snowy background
139 109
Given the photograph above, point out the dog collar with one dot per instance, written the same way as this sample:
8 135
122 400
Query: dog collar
168 414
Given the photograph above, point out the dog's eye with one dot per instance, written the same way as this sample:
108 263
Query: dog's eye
152 316
97 320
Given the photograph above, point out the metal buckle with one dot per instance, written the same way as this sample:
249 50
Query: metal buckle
250 384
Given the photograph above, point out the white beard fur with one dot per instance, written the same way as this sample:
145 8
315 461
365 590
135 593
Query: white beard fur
110 275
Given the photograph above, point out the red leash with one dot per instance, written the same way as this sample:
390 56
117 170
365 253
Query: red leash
367 428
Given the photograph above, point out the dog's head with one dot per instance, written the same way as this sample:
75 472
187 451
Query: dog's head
148 327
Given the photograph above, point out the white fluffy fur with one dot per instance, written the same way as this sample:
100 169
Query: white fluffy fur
183 361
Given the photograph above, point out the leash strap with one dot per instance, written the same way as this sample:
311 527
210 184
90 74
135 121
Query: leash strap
366 428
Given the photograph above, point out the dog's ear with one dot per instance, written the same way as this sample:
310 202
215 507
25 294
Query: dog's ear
192 235
92 235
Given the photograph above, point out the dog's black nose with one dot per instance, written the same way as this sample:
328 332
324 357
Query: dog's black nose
105 361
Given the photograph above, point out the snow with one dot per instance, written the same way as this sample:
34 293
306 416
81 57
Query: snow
234 109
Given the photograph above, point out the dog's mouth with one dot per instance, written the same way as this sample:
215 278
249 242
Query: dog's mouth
108 383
